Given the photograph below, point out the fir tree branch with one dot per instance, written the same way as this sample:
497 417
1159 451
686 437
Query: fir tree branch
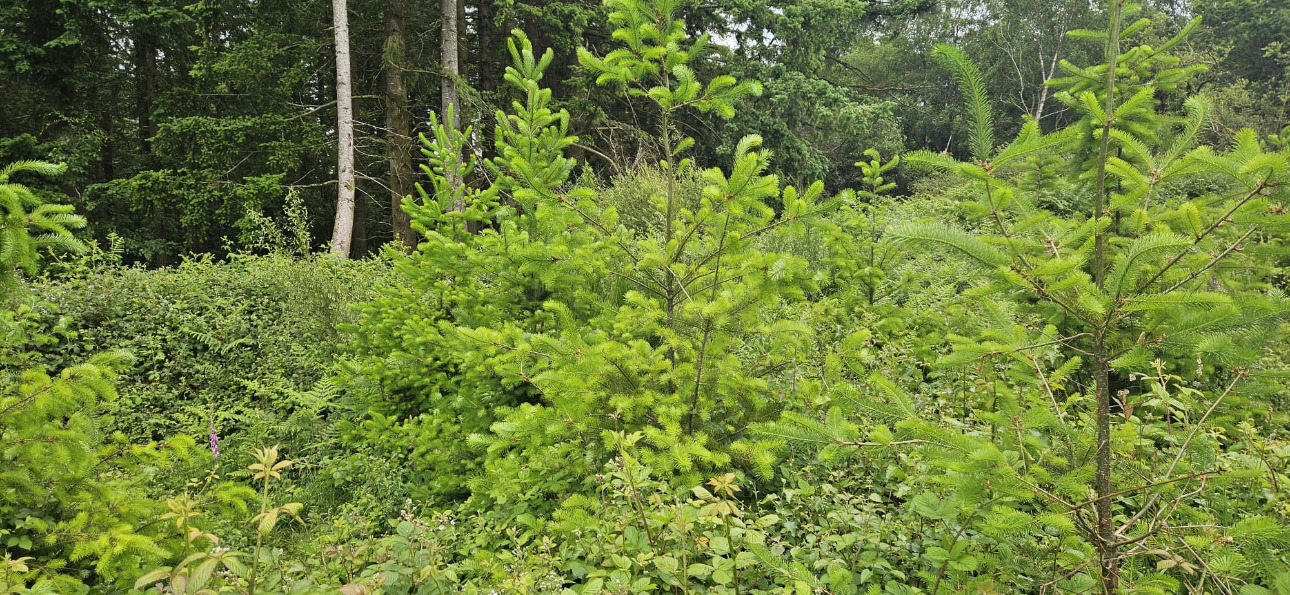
861 443
1201 559
998 221
564 200
638 283
1061 341
1196 475
1048 388
1258 189
1212 262
1038 288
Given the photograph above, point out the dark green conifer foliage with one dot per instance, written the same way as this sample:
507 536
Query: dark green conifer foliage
1157 293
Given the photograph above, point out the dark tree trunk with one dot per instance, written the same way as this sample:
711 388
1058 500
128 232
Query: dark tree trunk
145 71
358 248
490 70
463 46
398 125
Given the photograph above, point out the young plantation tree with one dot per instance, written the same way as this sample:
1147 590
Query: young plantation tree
1121 330
72 510
558 335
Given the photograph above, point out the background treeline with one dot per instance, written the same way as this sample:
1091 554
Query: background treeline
179 118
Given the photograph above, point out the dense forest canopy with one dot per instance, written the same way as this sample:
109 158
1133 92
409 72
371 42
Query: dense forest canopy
649 296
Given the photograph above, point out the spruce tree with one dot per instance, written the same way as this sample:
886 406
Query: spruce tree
556 326
68 515
1116 335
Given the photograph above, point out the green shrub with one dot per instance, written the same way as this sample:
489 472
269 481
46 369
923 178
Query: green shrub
73 506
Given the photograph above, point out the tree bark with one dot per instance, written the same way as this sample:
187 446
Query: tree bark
359 247
450 56
489 69
1104 509
398 125
145 65
463 43
450 109
342 231
1105 540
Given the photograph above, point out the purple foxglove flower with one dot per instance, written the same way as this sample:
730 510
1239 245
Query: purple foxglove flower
214 441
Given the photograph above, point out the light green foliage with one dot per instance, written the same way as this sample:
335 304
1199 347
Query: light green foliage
1155 274
72 503
520 344
30 224
207 567
1054 367
242 348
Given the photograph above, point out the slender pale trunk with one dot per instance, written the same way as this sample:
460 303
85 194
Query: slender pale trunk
343 231
1052 72
1106 540
451 107
398 125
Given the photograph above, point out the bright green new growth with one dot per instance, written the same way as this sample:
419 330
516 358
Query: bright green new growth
28 225
59 511
1148 274
555 327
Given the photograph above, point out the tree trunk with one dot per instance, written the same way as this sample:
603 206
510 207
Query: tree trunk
359 247
398 125
463 43
1104 509
449 54
1107 548
450 110
107 123
145 65
489 69
342 231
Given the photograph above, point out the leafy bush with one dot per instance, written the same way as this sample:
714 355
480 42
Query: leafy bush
246 344
73 508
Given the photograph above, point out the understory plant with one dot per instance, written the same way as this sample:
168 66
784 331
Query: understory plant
511 355
73 508
1120 344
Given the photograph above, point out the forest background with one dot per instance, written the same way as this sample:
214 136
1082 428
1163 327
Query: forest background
655 306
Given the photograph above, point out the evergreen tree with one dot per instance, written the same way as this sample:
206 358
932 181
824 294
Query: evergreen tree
70 504
558 326
1154 270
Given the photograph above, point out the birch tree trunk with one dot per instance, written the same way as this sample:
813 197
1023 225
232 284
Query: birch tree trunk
343 230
